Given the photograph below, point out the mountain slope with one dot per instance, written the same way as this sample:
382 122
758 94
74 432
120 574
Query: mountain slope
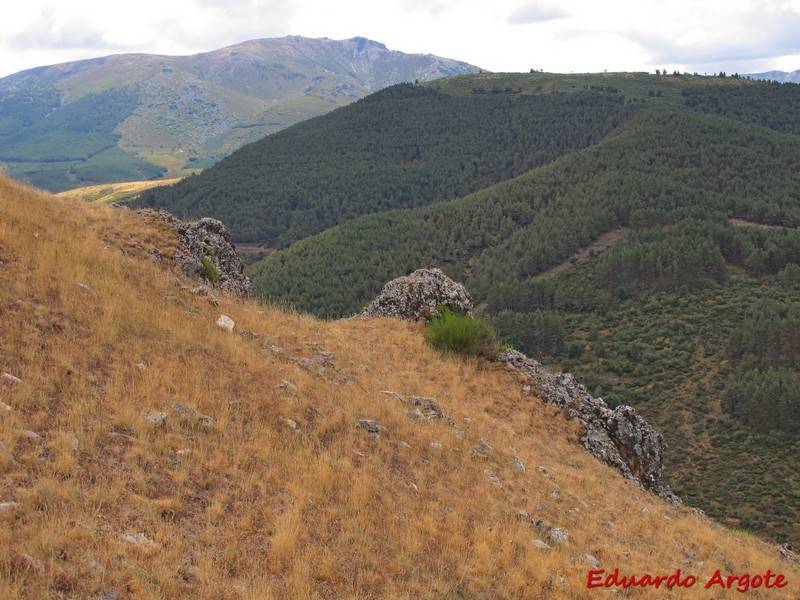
188 111
410 146
403 147
668 184
661 165
780 76
97 500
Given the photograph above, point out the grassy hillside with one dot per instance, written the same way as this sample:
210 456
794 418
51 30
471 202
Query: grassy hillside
114 192
98 500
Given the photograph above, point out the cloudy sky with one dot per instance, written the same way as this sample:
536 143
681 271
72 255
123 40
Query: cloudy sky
705 36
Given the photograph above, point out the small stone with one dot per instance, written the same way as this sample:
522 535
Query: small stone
141 366
205 420
226 323
492 477
413 486
558 535
10 378
287 385
75 444
157 418
592 560
544 471
789 553
541 545
416 414
4 406
84 287
372 427
31 435
139 540
276 349
517 466
112 595
94 565
188 571
183 452
542 526
292 423
523 515
8 505
645 510
481 450
183 409
31 563
436 444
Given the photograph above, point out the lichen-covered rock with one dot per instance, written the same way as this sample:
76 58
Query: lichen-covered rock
207 251
619 437
416 296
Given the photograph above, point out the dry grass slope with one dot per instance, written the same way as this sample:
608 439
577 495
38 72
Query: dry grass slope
114 192
250 507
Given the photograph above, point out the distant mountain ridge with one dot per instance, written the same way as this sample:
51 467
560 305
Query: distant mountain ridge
780 76
185 112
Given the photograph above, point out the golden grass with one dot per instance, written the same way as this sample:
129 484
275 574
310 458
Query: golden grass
250 507
114 192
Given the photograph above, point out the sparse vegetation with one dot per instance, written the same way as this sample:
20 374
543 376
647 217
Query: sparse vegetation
252 506
462 334
210 271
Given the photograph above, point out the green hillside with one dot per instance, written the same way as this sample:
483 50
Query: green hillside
653 171
403 147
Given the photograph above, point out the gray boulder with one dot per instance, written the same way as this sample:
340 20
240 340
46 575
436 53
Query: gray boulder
416 296
620 437
206 250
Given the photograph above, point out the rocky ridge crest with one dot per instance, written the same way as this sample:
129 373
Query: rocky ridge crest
206 250
416 296
619 437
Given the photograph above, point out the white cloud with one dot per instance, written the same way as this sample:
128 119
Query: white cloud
536 12
503 35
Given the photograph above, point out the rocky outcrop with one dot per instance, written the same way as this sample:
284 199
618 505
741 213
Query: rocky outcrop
416 296
619 437
207 251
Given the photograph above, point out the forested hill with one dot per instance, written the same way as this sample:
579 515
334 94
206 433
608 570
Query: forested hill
690 315
403 147
655 171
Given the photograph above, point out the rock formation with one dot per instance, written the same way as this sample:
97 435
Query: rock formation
619 437
416 296
208 252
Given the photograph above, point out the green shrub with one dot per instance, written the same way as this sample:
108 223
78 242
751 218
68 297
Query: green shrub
210 270
470 336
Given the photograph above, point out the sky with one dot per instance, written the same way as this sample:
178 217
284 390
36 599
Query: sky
564 36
